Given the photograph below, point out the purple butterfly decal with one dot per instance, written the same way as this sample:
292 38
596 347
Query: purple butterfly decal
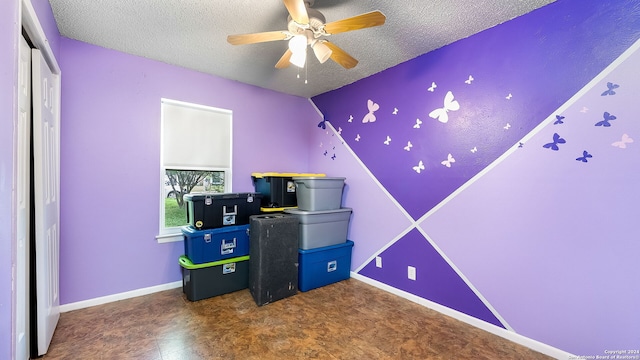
325 153
607 117
333 157
559 120
322 124
554 145
610 91
585 156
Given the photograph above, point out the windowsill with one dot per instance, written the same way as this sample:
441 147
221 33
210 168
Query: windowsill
166 238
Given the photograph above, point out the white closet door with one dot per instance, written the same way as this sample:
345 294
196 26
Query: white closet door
23 153
46 148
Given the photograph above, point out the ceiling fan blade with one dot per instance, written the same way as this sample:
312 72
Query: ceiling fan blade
340 56
367 20
242 39
284 60
297 10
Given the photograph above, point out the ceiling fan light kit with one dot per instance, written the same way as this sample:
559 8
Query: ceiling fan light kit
321 50
305 27
298 43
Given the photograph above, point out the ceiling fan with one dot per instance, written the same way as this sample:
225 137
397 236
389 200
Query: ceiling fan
308 26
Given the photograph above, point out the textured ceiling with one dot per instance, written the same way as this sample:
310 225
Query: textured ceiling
192 34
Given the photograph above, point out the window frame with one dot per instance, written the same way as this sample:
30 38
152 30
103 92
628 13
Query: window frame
172 234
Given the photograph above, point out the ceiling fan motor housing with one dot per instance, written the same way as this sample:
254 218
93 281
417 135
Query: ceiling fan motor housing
316 21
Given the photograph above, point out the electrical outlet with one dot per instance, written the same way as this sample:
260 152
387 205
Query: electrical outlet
411 272
378 261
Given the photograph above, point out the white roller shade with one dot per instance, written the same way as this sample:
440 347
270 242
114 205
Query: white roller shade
195 136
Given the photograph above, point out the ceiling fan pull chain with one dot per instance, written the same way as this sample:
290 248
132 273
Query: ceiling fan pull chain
306 67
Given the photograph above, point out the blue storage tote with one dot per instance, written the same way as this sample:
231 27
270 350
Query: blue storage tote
203 246
323 266
201 281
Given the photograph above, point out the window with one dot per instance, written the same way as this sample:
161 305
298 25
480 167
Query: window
195 156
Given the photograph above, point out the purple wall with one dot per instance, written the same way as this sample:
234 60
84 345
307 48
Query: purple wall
8 106
500 244
562 225
110 161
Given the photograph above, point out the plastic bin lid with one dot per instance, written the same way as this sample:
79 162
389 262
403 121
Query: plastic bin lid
191 230
187 264
221 195
305 177
276 174
347 243
280 209
202 196
303 212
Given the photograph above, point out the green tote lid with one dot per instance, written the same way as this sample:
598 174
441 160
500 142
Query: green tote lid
187 264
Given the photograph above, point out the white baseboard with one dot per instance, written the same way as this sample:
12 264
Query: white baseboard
121 296
496 330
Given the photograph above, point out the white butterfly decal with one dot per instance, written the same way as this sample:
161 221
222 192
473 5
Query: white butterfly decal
320 144
418 123
506 127
339 130
449 161
468 81
350 118
584 109
622 144
419 167
508 97
449 105
474 150
409 146
358 137
395 111
388 141
433 87
373 107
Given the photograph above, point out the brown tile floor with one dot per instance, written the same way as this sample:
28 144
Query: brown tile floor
346 320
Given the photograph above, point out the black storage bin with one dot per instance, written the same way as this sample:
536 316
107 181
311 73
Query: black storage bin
273 248
278 189
201 281
214 210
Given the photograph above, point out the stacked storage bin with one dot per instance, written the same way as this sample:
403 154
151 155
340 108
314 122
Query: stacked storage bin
324 253
216 243
278 190
273 271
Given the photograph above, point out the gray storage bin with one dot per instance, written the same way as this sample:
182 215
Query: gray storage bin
319 193
322 228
